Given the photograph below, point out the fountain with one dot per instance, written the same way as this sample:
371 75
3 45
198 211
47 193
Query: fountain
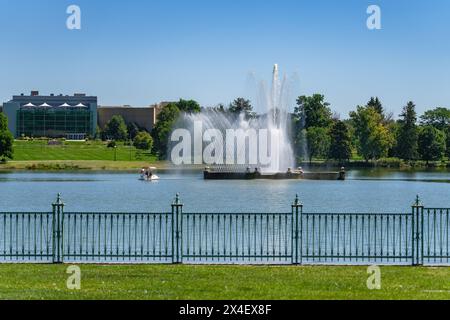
242 146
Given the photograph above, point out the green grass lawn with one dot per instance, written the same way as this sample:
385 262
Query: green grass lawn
91 150
221 282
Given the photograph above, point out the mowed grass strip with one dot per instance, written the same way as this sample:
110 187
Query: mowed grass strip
159 282
91 150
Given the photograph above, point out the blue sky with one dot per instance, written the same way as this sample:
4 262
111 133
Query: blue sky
140 52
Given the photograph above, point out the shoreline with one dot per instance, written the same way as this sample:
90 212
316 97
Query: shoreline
133 166
78 165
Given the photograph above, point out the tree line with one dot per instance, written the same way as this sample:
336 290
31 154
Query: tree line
369 132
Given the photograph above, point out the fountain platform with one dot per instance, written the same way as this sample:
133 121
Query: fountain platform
295 175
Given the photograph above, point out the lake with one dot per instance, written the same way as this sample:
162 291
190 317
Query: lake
377 190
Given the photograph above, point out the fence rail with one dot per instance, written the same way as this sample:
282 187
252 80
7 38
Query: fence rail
419 236
26 235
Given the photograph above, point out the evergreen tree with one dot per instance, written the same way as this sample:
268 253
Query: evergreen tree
407 139
241 105
375 103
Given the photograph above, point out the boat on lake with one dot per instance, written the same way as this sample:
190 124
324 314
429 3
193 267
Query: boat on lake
148 174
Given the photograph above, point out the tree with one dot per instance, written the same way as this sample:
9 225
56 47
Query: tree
318 142
3 122
312 111
373 137
116 129
301 144
431 143
6 139
376 104
340 144
188 106
407 134
447 133
438 118
143 141
132 130
160 133
241 105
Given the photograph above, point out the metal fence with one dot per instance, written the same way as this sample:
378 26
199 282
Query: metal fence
419 236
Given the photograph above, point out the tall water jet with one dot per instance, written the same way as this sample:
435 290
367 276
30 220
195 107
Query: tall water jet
278 122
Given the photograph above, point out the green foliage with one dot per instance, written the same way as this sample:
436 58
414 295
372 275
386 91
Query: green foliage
301 144
340 147
373 137
6 139
188 106
3 122
318 142
132 130
375 103
447 133
312 111
438 118
116 129
407 133
6 145
241 105
431 143
165 121
143 141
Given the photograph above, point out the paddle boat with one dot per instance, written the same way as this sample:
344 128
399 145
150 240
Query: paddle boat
148 174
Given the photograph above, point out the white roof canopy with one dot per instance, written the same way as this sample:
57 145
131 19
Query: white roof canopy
46 105
65 105
29 105
80 105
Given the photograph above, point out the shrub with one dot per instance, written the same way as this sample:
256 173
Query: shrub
143 141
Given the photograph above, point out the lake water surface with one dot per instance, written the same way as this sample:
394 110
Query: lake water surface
363 191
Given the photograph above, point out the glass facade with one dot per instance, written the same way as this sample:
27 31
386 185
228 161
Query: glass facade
54 122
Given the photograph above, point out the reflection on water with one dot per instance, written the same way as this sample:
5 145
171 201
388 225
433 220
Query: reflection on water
390 174
365 190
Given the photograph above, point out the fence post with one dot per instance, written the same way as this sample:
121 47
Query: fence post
297 231
177 226
417 232
57 228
